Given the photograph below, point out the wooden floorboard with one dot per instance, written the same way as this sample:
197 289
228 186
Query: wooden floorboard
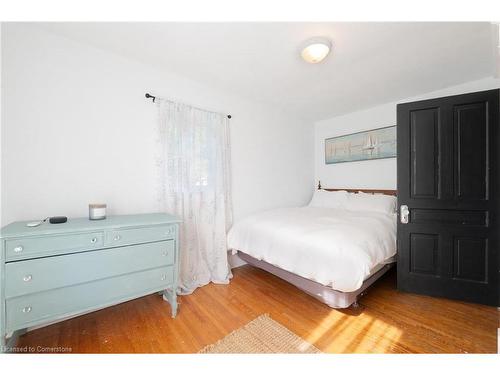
387 321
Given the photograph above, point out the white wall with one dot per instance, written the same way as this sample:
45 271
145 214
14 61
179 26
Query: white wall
372 173
76 129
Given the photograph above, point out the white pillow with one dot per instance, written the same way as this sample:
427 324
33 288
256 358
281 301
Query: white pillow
371 202
329 199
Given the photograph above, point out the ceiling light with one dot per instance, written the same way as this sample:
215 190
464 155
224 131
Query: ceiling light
315 50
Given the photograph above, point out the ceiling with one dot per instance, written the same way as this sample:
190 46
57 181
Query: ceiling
371 63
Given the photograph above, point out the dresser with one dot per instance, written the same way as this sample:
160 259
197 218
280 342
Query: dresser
56 271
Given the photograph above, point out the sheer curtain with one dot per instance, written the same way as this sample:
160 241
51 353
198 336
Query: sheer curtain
194 184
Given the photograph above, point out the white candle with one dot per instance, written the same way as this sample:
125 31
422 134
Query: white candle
97 211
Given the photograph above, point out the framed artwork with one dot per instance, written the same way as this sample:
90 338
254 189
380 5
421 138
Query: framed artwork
366 145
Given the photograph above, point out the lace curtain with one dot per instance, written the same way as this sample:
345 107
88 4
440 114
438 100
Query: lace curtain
194 167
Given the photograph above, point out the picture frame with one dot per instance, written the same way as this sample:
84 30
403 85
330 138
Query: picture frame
379 143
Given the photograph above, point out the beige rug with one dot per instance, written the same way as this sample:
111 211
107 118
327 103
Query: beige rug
261 335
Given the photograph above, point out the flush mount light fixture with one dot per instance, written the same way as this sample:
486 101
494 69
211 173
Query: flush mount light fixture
316 49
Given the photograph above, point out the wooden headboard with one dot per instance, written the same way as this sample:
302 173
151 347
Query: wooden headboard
368 191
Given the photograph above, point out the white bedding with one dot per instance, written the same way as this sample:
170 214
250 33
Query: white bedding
335 247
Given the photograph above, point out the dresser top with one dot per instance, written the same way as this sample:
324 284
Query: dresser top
19 228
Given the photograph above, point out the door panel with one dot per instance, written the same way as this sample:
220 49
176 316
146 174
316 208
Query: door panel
448 177
424 253
471 151
470 259
424 130
458 217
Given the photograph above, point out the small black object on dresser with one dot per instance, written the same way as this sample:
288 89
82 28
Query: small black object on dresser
58 219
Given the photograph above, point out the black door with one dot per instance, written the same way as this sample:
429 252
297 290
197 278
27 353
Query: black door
448 178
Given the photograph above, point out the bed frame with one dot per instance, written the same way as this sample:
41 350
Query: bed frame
368 191
333 298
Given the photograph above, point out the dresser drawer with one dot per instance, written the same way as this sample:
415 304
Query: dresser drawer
139 235
31 247
31 276
36 308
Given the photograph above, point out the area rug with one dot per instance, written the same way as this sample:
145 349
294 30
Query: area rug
261 335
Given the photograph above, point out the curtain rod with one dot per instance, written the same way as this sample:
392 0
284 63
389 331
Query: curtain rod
149 96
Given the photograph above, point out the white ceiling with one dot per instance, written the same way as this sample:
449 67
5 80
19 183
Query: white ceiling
371 63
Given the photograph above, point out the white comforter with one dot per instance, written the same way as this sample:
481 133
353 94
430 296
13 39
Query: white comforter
334 247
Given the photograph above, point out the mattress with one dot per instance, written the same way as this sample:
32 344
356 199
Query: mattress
336 248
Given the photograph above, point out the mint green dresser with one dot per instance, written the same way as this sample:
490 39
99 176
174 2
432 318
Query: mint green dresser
56 271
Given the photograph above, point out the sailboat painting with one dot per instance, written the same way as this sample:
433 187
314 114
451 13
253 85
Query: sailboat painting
372 144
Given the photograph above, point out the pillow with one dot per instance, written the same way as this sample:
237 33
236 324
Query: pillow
329 199
371 202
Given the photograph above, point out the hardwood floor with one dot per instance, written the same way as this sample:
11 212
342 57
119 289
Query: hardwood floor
387 321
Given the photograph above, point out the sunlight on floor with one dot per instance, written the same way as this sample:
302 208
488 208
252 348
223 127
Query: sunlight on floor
342 333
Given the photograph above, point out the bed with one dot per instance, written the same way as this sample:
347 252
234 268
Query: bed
333 249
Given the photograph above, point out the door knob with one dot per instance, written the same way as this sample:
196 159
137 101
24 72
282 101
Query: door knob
404 214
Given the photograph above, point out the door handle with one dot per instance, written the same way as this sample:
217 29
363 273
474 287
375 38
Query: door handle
404 214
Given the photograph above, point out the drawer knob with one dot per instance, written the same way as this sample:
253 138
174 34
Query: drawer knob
163 277
117 237
165 253
27 309
18 249
93 240
27 278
